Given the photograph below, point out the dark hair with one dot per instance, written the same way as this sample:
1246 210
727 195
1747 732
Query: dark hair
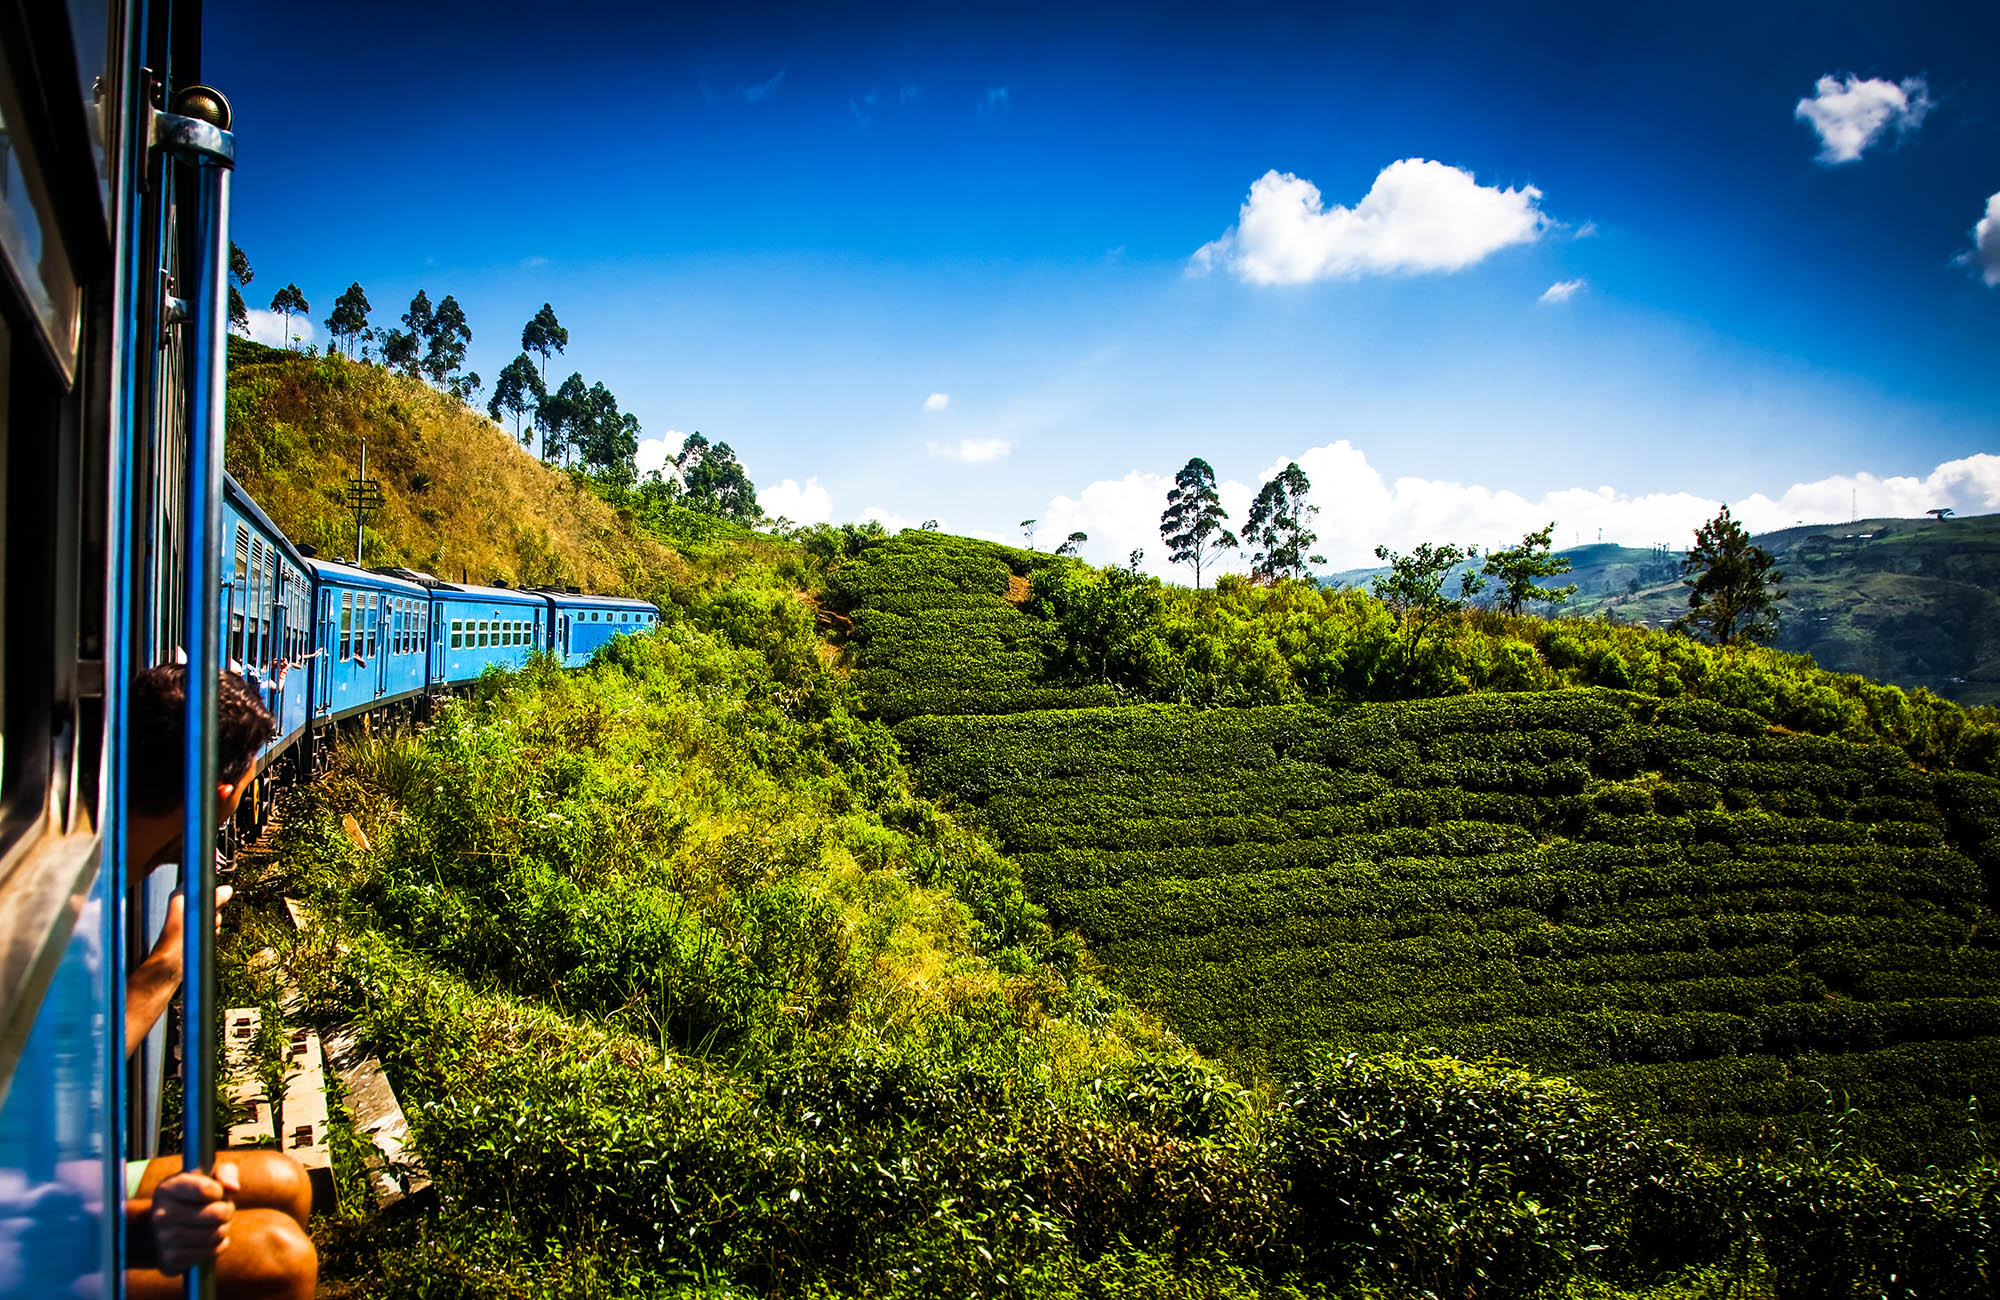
159 711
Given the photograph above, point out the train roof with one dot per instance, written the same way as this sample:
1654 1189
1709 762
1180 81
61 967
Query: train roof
349 576
244 502
603 602
467 591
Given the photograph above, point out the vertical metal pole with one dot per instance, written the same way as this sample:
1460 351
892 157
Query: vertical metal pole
207 361
360 488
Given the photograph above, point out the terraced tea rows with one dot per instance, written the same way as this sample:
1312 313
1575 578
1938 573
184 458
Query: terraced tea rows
939 634
1730 926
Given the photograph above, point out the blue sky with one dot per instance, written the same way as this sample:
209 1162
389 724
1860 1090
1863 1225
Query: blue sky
790 229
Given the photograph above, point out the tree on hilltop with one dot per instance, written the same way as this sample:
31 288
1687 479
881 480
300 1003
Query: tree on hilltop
1072 543
1732 584
240 275
714 482
1191 525
446 341
517 391
544 336
403 349
1516 569
559 415
1279 523
349 318
287 301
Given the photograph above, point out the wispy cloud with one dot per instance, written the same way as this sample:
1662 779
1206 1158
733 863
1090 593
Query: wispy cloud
910 91
996 99
532 262
1417 216
937 401
1563 291
1984 255
758 92
971 451
1850 114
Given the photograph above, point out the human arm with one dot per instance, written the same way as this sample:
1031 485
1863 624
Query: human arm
151 985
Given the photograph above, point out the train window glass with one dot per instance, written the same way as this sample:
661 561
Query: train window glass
90 28
373 622
31 238
346 625
242 554
458 634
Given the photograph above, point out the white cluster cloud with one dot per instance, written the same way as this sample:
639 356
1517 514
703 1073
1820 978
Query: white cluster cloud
1360 509
1985 254
1562 291
937 401
971 451
656 453
1418 216
1850 114
806 503
269 327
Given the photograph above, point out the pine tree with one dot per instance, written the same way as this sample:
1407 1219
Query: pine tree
1191 526
1279 523
287 301
1732 583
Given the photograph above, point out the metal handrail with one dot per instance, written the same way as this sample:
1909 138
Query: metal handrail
203 143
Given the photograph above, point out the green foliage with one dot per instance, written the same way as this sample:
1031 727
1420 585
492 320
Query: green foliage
517 392
288 301
1732 585
713 482
241 274
1582 880
445 343
349 318
1517 568
1280 523
1192 523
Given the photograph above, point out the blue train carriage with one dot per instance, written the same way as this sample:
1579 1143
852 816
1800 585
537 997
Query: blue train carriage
267 602
584 624
474 628
371 629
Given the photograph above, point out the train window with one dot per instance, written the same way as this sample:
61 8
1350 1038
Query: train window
458 634
346 625
373 622
31 237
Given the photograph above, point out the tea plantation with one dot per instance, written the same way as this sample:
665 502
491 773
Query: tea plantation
1736 929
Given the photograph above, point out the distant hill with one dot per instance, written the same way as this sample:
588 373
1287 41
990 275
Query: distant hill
1915 602
461 497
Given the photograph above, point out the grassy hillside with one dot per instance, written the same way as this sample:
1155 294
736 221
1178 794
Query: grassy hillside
1915 602
1726 891
463 498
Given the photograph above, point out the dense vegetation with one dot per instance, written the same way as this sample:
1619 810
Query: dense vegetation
689 984
684 989
1718 884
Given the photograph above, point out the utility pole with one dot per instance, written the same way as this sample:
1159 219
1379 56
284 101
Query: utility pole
365 495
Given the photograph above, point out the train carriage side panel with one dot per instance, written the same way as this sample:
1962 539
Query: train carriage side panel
480 627
266 614
585 624
371 634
